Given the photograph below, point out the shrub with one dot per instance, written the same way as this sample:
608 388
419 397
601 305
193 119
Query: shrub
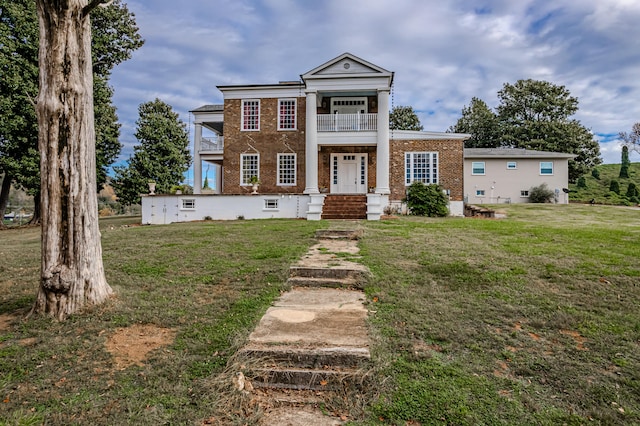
426 200
595 173
614 186
541 194
632 191
582 182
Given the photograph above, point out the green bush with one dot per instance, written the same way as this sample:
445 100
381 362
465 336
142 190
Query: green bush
582 182
427 200
632 191
541 194
614 186
595 173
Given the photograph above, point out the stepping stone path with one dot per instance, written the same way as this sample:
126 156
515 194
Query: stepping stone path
313 340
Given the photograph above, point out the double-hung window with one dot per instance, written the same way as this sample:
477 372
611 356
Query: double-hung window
250 114
249 167
546 167
286 114
477 168
287 169
421 167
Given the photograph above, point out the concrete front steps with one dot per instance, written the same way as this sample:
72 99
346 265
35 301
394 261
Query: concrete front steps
338 206
314 337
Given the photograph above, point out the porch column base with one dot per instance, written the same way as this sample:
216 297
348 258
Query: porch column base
376 204
316 201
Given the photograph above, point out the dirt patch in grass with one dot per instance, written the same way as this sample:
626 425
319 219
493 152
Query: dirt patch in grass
6 320
131 345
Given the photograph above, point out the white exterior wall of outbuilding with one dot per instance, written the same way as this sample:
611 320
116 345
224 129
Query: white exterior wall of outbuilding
503 184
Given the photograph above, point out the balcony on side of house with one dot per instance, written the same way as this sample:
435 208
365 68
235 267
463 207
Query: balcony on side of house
212 145
348 122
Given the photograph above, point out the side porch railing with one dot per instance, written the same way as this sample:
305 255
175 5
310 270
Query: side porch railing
211 144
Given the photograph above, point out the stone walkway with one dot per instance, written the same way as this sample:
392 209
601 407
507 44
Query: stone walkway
313 340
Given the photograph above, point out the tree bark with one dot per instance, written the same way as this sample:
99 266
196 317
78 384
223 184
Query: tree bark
35 219
4 197
72 275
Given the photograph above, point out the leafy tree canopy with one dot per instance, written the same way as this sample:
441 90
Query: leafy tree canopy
115 37
479 121
404 118
162 155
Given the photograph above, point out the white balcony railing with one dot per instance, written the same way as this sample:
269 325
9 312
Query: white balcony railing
212 145
347 122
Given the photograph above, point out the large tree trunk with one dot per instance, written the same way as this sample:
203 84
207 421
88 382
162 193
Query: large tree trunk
4 197
72 274
35 219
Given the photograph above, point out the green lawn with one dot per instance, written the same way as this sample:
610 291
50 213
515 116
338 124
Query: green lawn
532 319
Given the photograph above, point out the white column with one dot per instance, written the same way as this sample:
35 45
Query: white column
311 157
218 169
197 162
382 164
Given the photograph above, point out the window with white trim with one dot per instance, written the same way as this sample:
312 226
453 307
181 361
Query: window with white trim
477 168
286 114
271 204
420 167
512 165
546 167
188 204
524 193
479 192
250 116
249 167
287 169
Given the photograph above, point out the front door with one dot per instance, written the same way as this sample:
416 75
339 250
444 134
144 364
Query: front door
349 174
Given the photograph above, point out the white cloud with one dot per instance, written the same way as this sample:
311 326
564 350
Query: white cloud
443 53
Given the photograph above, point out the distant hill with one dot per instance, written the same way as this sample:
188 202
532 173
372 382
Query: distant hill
598 189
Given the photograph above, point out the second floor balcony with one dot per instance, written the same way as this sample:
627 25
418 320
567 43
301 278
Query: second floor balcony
213 145
347 122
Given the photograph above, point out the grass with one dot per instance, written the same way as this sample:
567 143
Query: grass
531 319
528 320
209 281
598 189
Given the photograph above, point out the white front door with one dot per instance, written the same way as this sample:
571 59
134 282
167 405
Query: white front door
349 174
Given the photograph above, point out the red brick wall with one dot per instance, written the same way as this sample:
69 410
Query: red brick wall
450 165
268 142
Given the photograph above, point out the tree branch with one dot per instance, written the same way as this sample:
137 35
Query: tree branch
93 4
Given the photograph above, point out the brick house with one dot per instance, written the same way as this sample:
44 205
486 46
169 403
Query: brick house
320 147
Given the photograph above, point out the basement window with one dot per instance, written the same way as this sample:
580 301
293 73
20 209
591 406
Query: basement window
188 204
271 204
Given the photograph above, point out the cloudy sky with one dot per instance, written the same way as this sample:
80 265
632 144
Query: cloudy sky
442 52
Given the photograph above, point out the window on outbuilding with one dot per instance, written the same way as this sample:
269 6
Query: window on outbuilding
546 167
479 192
512 165
477 168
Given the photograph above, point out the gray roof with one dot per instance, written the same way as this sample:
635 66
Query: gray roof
513 153
209 108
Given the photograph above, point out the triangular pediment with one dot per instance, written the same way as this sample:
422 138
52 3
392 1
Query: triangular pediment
346 65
